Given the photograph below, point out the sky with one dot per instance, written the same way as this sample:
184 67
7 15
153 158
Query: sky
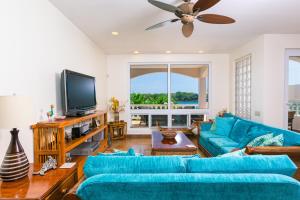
157 83
294 73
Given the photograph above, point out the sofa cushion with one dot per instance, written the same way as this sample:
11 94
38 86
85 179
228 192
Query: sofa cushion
253 133
133 164
189 187
290 138
222 142
239 130
280 164
209 134
224 125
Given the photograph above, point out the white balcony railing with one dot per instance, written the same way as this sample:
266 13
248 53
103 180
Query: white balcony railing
294 106
163 106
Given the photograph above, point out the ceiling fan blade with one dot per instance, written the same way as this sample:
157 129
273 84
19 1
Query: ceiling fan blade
215 19
164 6
202 5
161 24
187 29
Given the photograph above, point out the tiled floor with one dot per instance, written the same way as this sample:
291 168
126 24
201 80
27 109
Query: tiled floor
141 144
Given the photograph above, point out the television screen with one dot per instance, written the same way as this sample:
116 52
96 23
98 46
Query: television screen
80 92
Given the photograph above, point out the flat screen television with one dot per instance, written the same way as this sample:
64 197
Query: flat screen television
78 93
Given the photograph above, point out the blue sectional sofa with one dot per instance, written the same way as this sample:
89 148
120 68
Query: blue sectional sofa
175 177
214 144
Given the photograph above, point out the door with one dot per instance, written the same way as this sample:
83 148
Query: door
292 90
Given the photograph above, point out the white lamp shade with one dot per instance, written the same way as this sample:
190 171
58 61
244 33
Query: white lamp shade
15 112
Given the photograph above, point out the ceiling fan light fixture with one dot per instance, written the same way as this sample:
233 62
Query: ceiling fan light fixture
189 11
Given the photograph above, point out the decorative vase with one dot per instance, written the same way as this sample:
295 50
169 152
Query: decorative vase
116 116
15 164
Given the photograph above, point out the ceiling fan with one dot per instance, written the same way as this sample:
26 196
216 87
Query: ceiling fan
187 12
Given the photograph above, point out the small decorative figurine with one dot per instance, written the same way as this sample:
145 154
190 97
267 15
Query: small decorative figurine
49 164
50 114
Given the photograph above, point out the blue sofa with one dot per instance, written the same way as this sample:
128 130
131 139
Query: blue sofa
175 177
216 144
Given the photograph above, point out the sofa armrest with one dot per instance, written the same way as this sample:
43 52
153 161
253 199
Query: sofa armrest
293 151
273 150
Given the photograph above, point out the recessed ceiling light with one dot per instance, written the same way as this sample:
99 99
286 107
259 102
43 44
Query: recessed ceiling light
114 33
200 51
168 52
136 52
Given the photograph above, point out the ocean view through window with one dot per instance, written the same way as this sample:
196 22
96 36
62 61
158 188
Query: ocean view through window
163 91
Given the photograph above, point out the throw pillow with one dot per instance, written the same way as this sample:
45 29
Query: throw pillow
213 126
260 140
224 125
275 141
239 130
240 152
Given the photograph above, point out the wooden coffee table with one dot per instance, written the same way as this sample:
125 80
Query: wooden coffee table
182 146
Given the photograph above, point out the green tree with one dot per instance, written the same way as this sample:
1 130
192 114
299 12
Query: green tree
162 98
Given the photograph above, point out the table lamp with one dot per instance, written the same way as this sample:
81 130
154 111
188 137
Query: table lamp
15 113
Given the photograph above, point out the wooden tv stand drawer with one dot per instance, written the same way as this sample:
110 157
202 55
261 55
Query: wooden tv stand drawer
63 188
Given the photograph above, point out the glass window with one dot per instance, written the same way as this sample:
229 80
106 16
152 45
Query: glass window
139 121
189 86
243 87
159 91
159 120
179 120
294 85
149 87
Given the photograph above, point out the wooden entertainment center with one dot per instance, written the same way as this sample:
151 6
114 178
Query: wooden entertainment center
50 139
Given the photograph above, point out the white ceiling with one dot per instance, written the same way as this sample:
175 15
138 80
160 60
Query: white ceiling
98 18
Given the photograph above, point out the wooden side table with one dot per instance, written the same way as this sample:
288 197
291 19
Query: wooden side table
117 130
52 186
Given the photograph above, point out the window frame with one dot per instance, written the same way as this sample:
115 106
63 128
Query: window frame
170 111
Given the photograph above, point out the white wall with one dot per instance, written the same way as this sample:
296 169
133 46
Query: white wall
274 79
119 76
256 49
37 43
268 75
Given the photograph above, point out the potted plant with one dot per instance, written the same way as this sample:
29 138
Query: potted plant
115 107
